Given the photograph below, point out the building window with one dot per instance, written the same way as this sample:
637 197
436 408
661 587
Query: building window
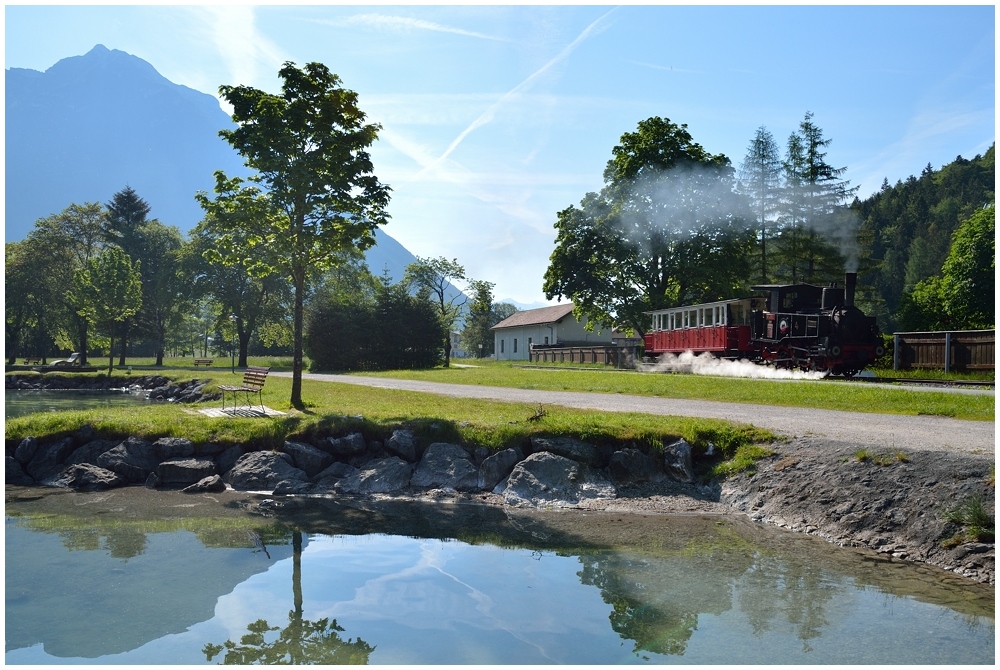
546 339
501 346
515 345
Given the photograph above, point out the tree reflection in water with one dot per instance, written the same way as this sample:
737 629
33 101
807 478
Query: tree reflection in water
301 642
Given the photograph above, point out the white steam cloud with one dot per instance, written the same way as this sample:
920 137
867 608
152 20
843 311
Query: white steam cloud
681 202
707 364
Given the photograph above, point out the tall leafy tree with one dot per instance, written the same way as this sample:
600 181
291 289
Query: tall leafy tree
309 146
111 291
432 277
76 234
165 289
760 179
483 314
667 228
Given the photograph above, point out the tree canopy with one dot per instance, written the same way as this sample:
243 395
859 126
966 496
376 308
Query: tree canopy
320 196
666 229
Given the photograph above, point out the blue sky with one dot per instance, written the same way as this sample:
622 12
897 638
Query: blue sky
496 117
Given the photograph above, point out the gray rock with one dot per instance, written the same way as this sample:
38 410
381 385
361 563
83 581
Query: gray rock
631 466
210 449
447 466
133 459
185 471
152 481
292 487
86 477
336 470
677 461
306 457
345 447
261 471
26 450
404 444
568 447
49 458
547 479
496 467
213 484
15 474
172 447
90 452
385 475
227 459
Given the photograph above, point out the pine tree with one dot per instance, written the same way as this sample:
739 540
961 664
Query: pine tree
760 179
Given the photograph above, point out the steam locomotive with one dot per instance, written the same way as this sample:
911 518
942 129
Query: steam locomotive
796 326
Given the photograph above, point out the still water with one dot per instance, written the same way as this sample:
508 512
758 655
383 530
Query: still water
19 403
140 576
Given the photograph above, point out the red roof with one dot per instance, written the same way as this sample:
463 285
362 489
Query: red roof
536 317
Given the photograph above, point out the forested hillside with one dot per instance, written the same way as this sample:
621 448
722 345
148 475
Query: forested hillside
907 231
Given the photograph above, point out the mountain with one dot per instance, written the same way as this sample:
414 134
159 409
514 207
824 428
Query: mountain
90 125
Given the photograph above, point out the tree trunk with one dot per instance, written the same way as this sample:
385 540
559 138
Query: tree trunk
244 337
161 343
296 400
111 349
84 343
121 357
447 349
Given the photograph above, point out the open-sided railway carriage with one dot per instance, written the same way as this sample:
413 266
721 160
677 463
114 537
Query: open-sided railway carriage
798 326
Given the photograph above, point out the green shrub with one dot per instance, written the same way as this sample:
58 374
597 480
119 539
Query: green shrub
977 523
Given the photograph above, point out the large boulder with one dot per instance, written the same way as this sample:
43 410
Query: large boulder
262 471
404 444
26 450
384 475
306 457
496 467
335 471
568 447
227 459
677 461
446 466
631 466
345 447
15 474
550 480
213 484
172 447
90 452
49 458
133 459
86 477
183 471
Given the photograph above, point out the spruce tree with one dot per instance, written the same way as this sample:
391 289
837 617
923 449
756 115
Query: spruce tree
760 179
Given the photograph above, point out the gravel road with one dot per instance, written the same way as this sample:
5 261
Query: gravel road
922 433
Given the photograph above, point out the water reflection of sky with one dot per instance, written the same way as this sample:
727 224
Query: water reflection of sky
430 601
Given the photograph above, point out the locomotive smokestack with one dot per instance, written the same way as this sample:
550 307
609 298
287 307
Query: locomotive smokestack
850 283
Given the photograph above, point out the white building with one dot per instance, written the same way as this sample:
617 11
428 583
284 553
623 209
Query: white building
556 325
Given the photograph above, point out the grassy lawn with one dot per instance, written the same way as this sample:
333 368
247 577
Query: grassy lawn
819 394
340 408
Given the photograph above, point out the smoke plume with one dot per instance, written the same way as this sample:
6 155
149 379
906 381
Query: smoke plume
707 364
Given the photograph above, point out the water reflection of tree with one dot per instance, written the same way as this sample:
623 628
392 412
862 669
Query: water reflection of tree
301 642
794 590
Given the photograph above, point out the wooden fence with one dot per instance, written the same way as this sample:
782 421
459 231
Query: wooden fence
620 357
959 351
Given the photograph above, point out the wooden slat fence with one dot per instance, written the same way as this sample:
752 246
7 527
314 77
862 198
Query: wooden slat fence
957 350
619 357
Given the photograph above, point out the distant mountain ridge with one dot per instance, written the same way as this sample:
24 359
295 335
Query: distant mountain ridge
90 125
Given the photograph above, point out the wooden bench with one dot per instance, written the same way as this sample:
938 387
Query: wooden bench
32 360
202 361
253 382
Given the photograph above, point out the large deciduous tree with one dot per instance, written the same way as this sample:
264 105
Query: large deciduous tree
432 278
309 147
111 291
123 227
667 228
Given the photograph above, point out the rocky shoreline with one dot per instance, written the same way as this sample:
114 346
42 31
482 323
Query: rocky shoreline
894 503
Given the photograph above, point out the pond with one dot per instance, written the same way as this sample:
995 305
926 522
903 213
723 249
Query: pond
140 576
19 403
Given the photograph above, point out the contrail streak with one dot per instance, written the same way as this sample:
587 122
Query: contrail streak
488 115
